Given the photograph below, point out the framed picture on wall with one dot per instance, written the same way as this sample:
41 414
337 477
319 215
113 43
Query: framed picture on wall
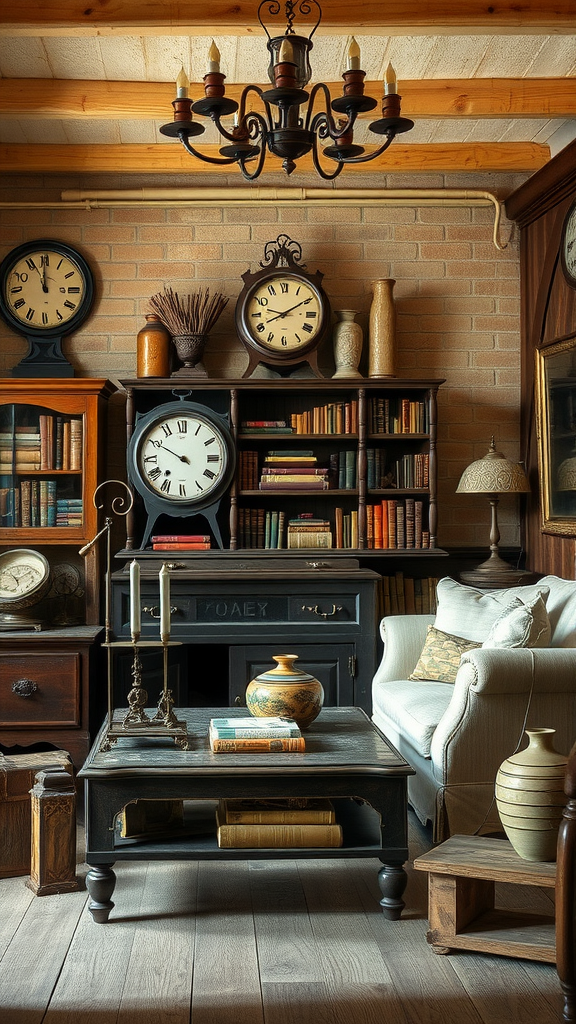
555 382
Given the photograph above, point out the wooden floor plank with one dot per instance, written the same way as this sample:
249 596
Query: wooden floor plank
15 898
33 960
89 990
226 983
287 949
298 1003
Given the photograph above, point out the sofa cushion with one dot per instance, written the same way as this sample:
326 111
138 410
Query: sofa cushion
521 625
470 613
414 708
440 657
561 608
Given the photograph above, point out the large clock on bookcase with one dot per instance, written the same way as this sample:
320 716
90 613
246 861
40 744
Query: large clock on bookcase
282 312
181 460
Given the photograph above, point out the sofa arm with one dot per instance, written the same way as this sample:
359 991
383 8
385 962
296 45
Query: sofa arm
403 637
511 670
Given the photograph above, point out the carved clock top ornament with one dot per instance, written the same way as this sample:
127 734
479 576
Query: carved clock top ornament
282 313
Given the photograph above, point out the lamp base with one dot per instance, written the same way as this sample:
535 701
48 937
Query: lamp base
497 579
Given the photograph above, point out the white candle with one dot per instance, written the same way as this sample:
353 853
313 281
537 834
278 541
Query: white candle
135 624
182 85
164 579
213 58
353 56
390 83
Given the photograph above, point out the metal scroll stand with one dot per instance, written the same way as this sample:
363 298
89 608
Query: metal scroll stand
135 722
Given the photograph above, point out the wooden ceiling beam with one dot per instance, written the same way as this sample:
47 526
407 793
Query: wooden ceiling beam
436 98
436 157
206 17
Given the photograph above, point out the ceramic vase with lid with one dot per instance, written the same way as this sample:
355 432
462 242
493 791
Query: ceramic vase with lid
530 796
382 330
285 691
347 340
153 349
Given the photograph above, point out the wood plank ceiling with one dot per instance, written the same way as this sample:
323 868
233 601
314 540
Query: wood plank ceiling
490 86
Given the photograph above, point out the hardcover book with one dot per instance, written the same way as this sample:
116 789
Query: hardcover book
286 811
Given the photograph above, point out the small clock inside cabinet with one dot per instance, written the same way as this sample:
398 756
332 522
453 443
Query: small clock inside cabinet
46 292
282 312
568 246
181 460
24 580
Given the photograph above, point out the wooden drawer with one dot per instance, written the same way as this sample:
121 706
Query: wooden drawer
40 690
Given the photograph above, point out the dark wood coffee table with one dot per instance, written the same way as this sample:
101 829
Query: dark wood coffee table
347 759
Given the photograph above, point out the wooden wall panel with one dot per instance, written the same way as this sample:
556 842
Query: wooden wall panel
548 313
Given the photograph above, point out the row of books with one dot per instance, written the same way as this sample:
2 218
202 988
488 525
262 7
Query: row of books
332 418
396 523
412 470
261 528
54 443
404 595
398 415
35 503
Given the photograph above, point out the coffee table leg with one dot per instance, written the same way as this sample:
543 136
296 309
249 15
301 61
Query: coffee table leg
100 882
392 880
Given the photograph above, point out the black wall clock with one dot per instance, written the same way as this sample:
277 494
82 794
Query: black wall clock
181 460
282 313
568 246
46 291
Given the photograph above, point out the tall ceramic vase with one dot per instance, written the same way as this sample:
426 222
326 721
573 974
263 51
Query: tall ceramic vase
153 349
530 796
347 339
382 330
286 691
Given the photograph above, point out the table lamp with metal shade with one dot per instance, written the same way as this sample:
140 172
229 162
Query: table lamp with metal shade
494 475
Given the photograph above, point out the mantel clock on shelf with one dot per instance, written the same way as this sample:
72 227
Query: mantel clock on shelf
282 312
181 460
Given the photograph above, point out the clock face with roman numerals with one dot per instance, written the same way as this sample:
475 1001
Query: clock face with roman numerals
46 288
180 455
284 313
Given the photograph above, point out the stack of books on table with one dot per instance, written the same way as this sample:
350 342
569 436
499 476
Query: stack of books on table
275 824
293 471
266 734
308 532
181 542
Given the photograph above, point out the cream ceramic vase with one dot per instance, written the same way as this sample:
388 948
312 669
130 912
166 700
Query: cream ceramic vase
285 691
347 340
382 330
530 796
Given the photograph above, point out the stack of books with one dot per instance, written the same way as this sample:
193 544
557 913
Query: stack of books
181 542
265 427
68 512
274 824
19 451
252 735
293 471
308 532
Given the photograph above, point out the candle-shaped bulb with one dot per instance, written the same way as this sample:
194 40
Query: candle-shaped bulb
164 579
213 58
286 52
390 83
235 121
135 624
182 85
353 56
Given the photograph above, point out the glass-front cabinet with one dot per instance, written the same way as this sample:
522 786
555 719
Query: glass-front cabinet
51 446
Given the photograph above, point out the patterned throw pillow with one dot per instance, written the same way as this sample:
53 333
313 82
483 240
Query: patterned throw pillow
440 658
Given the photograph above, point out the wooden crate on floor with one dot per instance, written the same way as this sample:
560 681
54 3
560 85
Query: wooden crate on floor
17 774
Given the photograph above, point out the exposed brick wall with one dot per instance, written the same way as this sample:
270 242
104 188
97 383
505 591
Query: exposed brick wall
457 301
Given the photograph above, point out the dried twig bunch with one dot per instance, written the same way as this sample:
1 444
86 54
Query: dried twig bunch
191 314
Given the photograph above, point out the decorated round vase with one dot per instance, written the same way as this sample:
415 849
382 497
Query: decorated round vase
530 796
285 691
347 339
190 350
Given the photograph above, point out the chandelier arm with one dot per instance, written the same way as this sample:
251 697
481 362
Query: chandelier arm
260 93
320 170
259 165
201 156
390 136
331 131
323 88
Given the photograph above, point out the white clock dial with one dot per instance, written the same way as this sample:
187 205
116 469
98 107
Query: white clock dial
44 289
182 457
284 313
569 245
22 572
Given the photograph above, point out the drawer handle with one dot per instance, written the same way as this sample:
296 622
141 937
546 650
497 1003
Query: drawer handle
322 615
24 687
154 610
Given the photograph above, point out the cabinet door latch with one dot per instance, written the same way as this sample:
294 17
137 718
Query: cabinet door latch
352 666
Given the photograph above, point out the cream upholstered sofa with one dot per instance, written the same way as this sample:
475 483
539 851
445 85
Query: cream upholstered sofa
456 734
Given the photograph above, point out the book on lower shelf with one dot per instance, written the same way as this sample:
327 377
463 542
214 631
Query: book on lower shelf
277 836
282 811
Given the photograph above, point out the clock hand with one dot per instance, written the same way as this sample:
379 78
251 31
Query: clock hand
286 311
183 458
42 274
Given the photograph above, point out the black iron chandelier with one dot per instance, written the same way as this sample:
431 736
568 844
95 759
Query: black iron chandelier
289 134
